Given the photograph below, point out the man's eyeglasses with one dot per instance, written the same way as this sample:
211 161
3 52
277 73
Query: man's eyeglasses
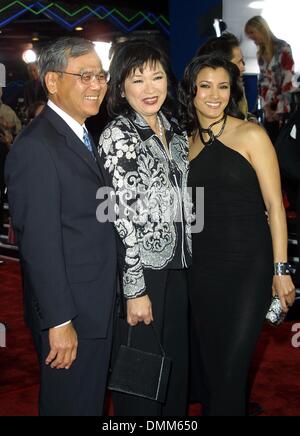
87 78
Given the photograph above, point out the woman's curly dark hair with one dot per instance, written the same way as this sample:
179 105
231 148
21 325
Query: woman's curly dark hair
188 89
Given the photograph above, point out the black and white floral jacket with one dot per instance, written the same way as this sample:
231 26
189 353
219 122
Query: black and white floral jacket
153 208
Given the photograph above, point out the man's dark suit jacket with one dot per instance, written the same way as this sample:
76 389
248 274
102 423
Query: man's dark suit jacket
68 258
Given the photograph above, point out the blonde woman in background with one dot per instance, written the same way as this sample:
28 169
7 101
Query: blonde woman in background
276 66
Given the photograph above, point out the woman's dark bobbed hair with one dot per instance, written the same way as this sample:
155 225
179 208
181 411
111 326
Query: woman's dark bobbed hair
188 89
127 57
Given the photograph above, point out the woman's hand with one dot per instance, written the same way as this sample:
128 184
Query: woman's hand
285 289
139 310
270 114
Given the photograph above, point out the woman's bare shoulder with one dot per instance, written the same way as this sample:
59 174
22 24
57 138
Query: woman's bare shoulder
247 137
248 132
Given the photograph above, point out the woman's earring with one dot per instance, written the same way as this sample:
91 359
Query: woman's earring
123 94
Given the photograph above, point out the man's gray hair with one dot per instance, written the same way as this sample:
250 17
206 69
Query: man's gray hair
55 56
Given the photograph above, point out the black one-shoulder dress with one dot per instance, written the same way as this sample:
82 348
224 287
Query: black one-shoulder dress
231 275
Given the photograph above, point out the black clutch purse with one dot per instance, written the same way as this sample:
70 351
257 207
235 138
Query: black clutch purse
141 373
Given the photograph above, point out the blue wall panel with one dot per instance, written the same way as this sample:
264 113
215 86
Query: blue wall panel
191 26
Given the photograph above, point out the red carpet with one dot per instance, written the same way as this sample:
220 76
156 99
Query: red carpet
18 362
276 366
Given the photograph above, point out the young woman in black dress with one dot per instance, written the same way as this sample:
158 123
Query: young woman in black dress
237 258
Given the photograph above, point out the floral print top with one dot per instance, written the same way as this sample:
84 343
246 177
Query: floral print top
153 208
275 79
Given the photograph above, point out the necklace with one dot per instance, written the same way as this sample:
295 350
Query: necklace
209 131
161 134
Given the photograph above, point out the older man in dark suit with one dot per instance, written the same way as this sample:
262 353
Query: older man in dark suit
68 258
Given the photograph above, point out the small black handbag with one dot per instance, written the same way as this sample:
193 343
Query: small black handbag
141 373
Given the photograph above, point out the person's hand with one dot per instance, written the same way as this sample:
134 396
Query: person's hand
285 289
275 117
63 347
139 310
6 137
5 124
270 114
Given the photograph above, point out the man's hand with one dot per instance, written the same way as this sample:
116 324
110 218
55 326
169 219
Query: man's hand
63 347
139 310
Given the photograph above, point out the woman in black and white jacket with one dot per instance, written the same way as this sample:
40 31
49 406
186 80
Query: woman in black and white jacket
145 155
